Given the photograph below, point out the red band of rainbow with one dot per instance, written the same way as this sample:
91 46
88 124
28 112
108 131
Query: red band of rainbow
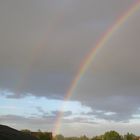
89 58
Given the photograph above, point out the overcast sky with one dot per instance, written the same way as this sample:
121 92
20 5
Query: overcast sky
42 44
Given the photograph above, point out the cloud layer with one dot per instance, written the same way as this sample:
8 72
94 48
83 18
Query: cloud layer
43 43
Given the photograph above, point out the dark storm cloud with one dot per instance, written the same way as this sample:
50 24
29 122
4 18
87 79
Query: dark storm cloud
112 82
43 43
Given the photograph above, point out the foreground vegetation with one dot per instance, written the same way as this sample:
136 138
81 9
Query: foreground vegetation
110 135
7 133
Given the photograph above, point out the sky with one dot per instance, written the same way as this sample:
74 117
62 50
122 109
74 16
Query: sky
42 45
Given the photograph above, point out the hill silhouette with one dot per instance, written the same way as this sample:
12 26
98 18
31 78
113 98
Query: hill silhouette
7 133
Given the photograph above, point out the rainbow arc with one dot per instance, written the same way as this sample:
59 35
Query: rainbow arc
92 54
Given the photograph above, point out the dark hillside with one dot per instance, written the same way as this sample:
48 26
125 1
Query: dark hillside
7 133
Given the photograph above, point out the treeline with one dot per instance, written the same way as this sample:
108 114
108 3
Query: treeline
39 134
110 135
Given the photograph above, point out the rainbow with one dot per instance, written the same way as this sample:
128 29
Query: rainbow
89 58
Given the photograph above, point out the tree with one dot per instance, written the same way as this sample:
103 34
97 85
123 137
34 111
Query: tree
27 131
84 138
43 135
129 136
97 138
112 135
59 137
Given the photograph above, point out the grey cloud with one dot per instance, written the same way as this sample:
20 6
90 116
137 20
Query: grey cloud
123 117
79 120
112 81
43 112
33 123
43 43
38 122
55 113
65 113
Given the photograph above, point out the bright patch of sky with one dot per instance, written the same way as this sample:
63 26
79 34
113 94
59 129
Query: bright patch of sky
109 113
29 105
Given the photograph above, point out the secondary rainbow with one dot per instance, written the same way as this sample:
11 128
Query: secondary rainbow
89 58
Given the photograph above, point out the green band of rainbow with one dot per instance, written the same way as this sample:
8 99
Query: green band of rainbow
89 58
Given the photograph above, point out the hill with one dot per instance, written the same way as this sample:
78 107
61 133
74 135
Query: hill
7 133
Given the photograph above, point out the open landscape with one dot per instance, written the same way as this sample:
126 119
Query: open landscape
69 69
7 133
